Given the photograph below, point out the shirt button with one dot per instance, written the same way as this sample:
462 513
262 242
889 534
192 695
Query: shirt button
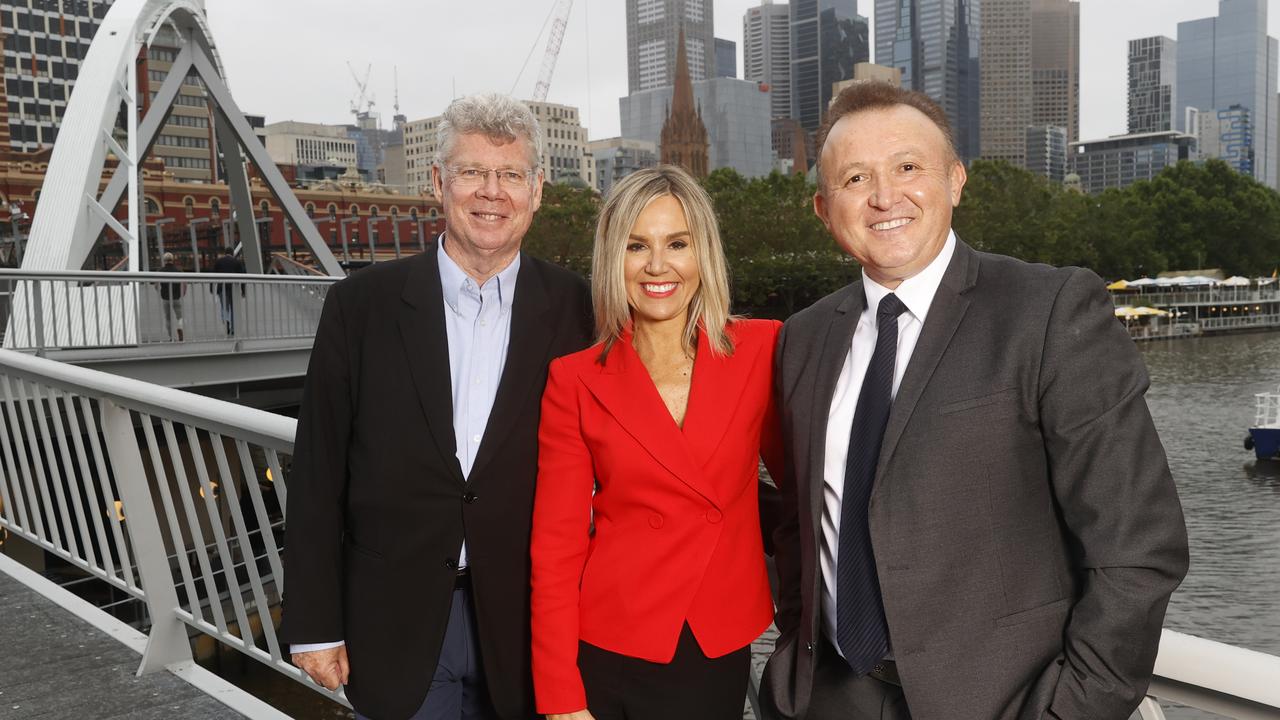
451 563
469 498
475 438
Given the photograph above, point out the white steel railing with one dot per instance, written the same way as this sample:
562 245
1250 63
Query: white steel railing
166 496
174 498
95 309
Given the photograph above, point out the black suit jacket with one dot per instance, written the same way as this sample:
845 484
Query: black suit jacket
1026 529
378 507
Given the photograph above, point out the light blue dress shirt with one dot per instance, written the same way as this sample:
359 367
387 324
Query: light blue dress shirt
477 323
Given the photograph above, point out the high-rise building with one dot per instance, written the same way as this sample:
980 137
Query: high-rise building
935 44
735 113
766 52
726 58
653 27
1122 160
187 143
1047 152
1226 135
1229 60
828 37
1055 65
1153 74
618 157
43 50
316 151
1030 60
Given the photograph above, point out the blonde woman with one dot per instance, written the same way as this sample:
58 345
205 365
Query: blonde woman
648 574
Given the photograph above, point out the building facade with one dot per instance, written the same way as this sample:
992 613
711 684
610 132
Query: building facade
1055 65
317 151
828 37
1227 135
1229 60
935 44
653 28
1122 160
1047 152
726 58
736 114
1153 78
618 157
683 140
766 53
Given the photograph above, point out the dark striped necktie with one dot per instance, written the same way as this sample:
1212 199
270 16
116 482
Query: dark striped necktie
861 631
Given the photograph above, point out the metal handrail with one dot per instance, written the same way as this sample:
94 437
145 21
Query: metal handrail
74 442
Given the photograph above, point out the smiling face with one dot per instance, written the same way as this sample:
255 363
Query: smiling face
889 183
660 265
486 222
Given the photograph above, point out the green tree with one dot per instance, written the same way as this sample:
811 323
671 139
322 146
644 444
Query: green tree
563 229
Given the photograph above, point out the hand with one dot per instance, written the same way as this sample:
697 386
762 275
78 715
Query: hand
579 715
327 667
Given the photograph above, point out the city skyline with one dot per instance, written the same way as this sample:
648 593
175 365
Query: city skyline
309 80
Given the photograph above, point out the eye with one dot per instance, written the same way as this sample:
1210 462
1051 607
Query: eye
510 177
910 167
855 179
470 173
636 247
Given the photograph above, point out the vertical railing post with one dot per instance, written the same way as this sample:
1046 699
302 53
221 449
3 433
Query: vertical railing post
37 304
167 642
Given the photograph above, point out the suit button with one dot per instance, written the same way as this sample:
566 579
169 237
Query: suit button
878 669
655 521
714 516
808 647
469 498
451 564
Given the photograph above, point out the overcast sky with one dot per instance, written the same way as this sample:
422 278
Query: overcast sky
287 59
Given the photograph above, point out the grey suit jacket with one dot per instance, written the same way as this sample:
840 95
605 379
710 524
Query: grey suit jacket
1026 528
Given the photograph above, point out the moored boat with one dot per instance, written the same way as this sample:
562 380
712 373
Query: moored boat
1264 436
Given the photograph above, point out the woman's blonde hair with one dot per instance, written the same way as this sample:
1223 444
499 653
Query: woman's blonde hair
709 308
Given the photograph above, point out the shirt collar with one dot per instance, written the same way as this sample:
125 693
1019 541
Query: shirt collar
917 291
453 278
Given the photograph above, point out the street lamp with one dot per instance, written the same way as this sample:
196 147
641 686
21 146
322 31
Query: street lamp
159 226
195 245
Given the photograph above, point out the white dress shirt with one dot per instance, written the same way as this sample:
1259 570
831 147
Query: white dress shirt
916 293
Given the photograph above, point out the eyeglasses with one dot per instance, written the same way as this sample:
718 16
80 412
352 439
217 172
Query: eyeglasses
475 176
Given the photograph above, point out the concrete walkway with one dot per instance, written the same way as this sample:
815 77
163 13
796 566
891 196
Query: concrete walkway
54 664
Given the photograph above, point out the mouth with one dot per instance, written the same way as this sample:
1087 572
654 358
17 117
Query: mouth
658 290
488 217
892 224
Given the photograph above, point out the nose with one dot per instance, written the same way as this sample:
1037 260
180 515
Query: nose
883 193
490 188
656 262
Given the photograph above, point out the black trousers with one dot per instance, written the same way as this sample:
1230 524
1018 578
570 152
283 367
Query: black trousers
690 687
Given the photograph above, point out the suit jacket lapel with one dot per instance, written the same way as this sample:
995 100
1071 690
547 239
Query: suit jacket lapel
626 391
427 351
945 313
526 362
835 349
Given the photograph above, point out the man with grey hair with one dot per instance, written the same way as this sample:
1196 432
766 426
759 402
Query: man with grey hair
407 539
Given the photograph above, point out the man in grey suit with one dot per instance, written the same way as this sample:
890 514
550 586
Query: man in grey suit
978 520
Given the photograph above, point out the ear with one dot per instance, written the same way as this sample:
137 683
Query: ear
821 209
437 182
959 176
537 192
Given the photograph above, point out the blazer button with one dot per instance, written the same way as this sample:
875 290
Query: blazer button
451 563
469 498
656 521
714 516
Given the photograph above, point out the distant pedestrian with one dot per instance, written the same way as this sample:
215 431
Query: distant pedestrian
228 263
171 299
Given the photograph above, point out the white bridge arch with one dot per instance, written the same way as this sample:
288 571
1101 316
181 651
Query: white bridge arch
71 213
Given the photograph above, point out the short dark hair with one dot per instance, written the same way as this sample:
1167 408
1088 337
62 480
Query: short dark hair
879 95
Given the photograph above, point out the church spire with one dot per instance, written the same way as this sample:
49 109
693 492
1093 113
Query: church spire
684 137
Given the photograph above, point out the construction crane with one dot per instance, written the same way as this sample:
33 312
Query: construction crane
363 102
553 49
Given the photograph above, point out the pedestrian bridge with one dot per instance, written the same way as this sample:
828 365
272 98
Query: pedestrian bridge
175 502
220 329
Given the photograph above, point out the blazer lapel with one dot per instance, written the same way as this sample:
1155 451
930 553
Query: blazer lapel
835 349
427 350
945 313
713 400
626 391
526 364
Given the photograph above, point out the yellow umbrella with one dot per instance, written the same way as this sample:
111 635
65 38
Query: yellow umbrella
1118 285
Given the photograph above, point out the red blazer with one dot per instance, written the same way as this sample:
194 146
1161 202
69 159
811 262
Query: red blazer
677 525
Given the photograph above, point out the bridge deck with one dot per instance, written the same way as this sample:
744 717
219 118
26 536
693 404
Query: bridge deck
56 665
